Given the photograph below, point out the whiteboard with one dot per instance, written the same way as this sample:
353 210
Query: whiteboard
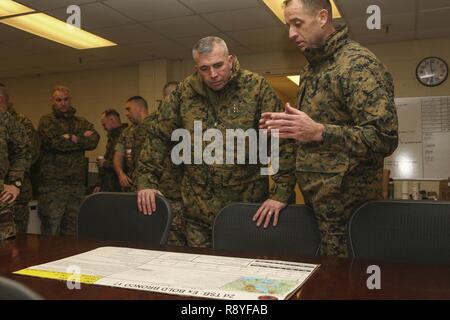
424 139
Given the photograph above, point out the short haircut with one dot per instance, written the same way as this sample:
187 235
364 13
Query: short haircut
169 84
313 5
111 113
60 88
206 45
140 100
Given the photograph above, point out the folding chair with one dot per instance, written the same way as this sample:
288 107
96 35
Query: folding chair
115 216
296 233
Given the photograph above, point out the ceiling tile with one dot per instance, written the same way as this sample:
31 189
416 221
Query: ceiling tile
242 19
129 34
273 35
433 4
182 27
95 15
263 48
434 19
145 10
44 5
357 9
203 6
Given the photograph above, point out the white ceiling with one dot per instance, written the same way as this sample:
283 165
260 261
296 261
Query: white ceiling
152 29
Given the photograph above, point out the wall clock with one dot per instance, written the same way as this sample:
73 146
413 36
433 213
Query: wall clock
432 71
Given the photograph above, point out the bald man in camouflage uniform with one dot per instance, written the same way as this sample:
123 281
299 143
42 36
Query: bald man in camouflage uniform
345 122
64 139
222 96
15 160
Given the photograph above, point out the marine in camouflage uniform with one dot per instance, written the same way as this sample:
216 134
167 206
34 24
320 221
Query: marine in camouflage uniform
206 189
14 159
107 177
124 145
63 169
349 94
21 209
169 183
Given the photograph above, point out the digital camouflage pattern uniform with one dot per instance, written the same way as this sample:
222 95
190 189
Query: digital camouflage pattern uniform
346 88
21 209
63 170
107 177
206 189
169 184
14 160
125 145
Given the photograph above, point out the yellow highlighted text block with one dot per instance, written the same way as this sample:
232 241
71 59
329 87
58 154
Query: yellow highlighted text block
63 276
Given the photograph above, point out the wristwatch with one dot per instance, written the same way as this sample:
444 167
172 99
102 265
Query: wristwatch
17 184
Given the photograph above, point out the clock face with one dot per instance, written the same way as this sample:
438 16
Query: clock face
432 71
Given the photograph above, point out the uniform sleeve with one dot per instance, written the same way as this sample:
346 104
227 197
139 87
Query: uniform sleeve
284 179
3 154
368 92
19 155
88 143
33 138
156 147
120 145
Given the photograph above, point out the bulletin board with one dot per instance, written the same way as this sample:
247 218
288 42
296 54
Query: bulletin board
424 146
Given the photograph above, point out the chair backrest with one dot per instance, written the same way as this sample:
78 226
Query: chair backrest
401 231
297 231
115 216
13 290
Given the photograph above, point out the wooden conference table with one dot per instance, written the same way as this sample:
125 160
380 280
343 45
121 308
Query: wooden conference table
336 278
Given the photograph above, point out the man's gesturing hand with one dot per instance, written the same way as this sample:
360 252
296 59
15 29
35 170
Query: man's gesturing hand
292 124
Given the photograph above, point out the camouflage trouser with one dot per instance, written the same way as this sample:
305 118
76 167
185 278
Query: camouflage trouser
21 209
334 197
177 229
21 217
58 208
7 227
202 203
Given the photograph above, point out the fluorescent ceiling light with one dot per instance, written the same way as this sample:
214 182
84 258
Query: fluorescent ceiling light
277 8
45 26
10 8
294 79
